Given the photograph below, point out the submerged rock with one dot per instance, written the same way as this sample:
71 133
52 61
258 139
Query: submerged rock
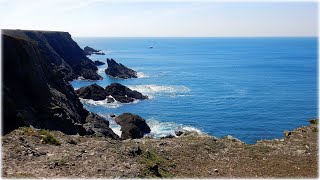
122 93
99 63
119 71
132 126
89 51
94 92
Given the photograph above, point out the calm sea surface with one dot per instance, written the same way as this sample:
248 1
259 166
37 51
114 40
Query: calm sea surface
250 88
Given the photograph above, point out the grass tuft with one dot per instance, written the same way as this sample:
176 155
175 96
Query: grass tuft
48 138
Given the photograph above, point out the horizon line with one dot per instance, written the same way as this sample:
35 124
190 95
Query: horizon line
194 36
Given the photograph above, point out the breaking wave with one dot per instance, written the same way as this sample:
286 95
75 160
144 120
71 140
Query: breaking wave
142 75
158 129
152 90
105 103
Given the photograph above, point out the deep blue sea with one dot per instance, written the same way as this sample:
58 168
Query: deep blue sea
250 88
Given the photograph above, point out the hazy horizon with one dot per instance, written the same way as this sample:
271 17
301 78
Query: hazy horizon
98 18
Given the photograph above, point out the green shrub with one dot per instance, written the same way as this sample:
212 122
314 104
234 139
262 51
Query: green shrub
155 165
48 138
313 121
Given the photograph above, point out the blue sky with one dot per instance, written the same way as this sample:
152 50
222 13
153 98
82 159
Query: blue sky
158 19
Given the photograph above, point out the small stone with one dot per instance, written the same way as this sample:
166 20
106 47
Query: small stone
287 133
72 141
215 170
135 151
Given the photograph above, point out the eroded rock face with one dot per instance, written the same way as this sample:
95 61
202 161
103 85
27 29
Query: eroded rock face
132 126
89 51
94 92
119 71
59 48
122 93
36 68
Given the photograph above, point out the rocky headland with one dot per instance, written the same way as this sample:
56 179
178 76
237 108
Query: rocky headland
37 66
118 70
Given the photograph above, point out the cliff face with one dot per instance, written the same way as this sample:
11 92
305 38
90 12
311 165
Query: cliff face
60 50
36 68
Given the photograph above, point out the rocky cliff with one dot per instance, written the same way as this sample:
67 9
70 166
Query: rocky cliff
60 50
37 66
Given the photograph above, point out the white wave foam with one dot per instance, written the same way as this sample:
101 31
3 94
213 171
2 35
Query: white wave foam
151 90
142 75
101 70
104 103
81 78
158 129
112 124
162 129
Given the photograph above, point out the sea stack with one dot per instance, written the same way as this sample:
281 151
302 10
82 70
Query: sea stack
89 51
122 93
119 71
99 63
132 126
114 91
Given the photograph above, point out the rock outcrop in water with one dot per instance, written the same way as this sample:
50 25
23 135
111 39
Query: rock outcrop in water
119 92
119 71
99 63
122 93
94 92
132 126
37 66
89 51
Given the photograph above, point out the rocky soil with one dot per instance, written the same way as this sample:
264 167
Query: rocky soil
28 152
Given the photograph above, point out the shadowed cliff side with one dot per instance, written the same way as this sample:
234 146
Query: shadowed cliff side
35 87
61 50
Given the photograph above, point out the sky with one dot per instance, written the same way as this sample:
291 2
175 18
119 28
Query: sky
162 18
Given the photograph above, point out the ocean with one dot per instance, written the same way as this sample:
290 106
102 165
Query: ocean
250 88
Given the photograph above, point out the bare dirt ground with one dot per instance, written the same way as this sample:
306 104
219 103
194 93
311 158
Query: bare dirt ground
27 153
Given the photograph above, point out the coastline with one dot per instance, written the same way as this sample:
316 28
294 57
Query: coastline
69 141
